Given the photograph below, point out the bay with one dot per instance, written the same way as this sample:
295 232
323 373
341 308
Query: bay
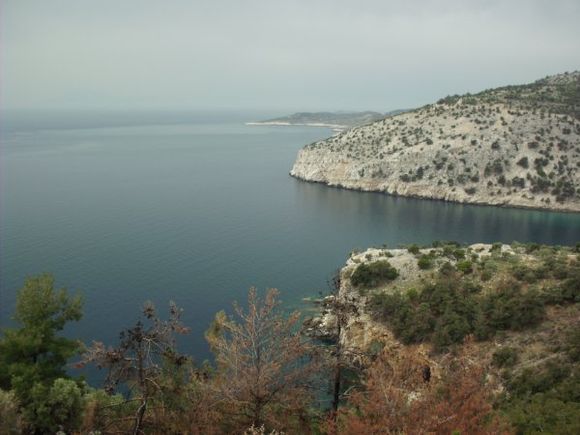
196 207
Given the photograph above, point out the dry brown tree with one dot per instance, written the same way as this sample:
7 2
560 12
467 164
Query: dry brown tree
396 398
265 368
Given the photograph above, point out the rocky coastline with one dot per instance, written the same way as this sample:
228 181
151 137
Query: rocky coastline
486 149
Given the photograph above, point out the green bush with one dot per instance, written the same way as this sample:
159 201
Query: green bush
413 249
509 308
425 262
373 274
523 162
571 286
505 357
451 328
59 406
465 267
544 414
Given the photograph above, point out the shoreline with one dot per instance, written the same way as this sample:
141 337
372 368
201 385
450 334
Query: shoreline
453 201
334 127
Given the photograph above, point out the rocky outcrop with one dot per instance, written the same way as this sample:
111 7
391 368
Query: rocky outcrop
360 328
515 146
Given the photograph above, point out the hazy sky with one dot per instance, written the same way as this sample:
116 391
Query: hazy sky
301 54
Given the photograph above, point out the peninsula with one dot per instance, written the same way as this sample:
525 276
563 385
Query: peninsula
337 121
511 146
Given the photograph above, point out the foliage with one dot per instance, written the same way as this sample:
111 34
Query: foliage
544 398
505 357
541 414
396 399
33 357
145 357
57 406
265 368
373 274
425 262
465 266
451 308
267 374
413 249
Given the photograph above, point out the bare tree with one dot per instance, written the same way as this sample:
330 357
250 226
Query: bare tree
142 356
265 366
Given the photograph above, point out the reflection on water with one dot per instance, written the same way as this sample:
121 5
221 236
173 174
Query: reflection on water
406 220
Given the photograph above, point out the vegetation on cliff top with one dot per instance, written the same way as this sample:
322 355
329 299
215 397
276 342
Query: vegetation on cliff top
517 304
517 145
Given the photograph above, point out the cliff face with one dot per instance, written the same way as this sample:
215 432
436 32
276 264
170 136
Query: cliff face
516 146
543 276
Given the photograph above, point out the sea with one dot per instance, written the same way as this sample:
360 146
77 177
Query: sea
196 207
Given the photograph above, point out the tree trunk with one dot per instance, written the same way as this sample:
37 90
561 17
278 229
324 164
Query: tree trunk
139 417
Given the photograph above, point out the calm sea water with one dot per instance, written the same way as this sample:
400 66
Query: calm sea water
196 208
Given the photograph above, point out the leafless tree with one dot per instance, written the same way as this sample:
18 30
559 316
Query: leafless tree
144 353
266 368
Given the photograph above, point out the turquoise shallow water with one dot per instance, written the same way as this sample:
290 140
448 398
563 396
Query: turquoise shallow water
197 208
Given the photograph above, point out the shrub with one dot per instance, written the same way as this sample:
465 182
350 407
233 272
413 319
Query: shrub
446 269
509 308
505 357
465 266
58 406
523 162
451 328
571 286
413 249
372 274
425 262
526 274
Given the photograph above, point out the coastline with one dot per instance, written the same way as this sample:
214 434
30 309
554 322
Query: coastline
333 127
432 198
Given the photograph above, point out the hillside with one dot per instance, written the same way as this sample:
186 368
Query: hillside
515 146
520 303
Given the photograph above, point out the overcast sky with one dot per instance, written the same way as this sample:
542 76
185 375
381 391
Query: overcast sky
300 55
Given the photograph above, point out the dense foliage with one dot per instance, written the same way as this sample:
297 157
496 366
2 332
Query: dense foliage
372 274
455 304
33 357
545 398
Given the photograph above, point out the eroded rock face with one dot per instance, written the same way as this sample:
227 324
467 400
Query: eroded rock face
515 146
359 331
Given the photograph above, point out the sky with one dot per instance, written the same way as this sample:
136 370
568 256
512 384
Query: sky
296 54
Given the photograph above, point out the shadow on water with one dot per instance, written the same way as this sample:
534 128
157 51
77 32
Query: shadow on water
410 220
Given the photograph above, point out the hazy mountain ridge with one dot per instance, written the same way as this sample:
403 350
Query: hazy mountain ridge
515 145
339 120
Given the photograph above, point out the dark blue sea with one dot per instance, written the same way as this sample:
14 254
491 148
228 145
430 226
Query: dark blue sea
196 208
